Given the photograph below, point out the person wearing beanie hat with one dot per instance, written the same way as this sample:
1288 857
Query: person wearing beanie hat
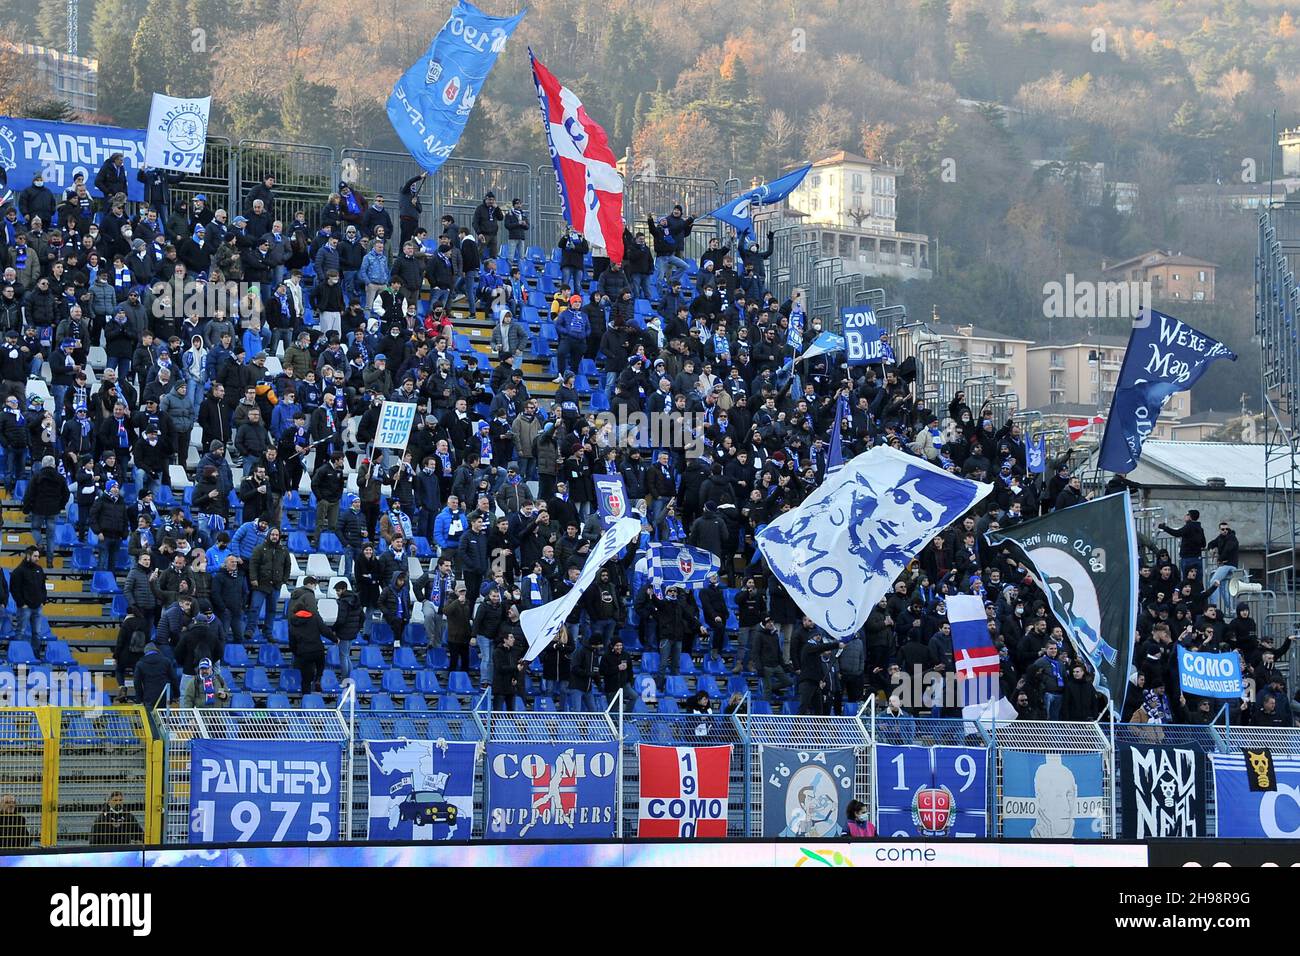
207 689
1191 542
573 326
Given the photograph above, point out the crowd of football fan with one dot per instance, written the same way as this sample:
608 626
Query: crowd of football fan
340 310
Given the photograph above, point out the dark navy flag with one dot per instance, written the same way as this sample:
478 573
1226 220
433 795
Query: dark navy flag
1164 356
431 102
611 498
738 212
1036 453
835 458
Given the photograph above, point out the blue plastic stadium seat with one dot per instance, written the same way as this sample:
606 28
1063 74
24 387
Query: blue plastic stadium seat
381 701
299 543
163 497
760 707
423 549
668 705
404 658
119 605
707 682
650 662
291 680
369 728
278 702
790 708
736 684
599 401
458 683
675 686
242 701
20 652
587 366
381 633
373 658
330 544
57 652
332 656
686 665
256 681
393 682
313 702
329 681
426 682
268 655
448 702
415 704
438 658
235 655
361 679
280 631
715 666
83 558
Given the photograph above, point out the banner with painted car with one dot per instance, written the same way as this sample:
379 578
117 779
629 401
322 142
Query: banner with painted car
59 151
264 791
932 792
684 791
1163 792
420 789
1257 794
806 792
552 791
1053 796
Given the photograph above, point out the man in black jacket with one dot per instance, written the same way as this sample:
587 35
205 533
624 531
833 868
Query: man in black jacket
108 519
27 587
327 485
153 674
46 496
506 668
617 673
201 640
814 674
1191 542
1228 550
486 217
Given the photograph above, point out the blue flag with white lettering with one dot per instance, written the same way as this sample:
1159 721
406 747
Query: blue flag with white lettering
431 102
1036 453
738 212
1164 356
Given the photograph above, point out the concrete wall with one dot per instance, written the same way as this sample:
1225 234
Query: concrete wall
1244 510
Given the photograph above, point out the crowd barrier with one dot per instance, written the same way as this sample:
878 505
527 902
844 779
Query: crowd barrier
61 764
880 749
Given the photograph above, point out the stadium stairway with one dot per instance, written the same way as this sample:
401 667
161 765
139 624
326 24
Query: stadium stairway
83 619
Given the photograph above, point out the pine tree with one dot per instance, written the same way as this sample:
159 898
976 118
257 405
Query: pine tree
112 30
307 111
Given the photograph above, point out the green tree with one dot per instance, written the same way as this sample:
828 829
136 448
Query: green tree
307 111
112 30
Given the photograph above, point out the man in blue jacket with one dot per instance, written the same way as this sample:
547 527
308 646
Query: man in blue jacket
573 327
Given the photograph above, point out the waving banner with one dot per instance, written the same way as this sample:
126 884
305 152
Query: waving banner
541 624
1085 560
431 102
1164 356
841 549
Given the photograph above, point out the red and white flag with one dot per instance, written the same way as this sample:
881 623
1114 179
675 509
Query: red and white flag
684 791
1077 426
591 188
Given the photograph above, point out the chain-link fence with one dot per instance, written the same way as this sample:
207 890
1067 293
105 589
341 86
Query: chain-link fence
1053 740
24 749
181 726
373 172
101 753
305 176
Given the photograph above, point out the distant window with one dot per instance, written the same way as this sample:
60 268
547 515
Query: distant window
816 181
1200 276
1177 277
857 182
1198 296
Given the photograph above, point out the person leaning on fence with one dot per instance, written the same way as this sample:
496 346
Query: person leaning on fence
116 826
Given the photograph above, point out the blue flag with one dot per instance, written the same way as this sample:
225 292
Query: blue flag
1164 356
611 497
737 212
677 565
835 458
431 102
1036 453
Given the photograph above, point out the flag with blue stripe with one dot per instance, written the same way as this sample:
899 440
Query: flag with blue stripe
835 459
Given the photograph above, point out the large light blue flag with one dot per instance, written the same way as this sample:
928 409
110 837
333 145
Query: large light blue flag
838 552
431 102
1163 356
737 212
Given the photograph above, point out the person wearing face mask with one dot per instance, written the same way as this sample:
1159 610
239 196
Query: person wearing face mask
858 820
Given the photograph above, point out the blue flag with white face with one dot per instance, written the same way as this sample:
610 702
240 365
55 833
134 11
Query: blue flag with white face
1036 455
839 552
1164 356
738 212
431 102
